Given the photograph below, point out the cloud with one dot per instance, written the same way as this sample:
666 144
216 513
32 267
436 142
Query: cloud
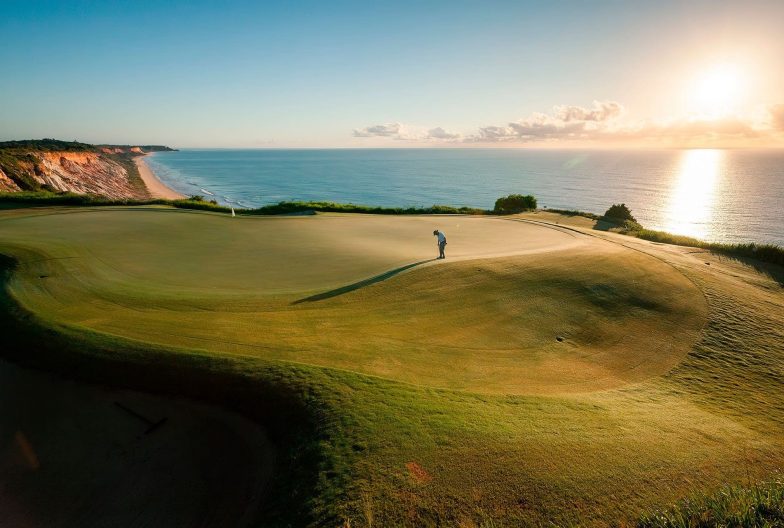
601 111
386 130
440 133
691 129
403 132
493 133
566 122
602 122
777 116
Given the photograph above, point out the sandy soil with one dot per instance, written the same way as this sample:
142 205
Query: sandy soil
73 454
155 186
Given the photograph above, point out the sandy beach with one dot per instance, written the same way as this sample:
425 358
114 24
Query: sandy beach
155 186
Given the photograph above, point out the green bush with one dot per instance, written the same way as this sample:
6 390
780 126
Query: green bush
631 226
514 203
618 214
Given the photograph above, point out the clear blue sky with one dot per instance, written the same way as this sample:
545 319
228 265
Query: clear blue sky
310 73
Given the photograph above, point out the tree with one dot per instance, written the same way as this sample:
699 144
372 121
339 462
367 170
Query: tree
618 214
514 203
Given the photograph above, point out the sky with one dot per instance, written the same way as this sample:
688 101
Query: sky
394 74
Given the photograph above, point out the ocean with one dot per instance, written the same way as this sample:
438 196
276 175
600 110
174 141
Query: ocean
716 195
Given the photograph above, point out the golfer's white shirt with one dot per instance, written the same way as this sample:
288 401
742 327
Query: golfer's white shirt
441 238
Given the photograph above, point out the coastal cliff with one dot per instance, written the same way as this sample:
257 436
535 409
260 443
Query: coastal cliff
61 166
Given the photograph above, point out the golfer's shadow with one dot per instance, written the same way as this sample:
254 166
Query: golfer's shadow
361 284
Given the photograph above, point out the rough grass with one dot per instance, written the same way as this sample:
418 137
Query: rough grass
38 198
770 253
760 505
574 212
370 450
762 252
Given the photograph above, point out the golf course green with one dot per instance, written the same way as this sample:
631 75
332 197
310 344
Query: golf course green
543 373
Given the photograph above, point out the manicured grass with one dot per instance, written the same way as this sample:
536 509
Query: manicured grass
506 338
763 252
433 397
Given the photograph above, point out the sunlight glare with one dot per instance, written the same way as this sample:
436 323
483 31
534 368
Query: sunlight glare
691 207
716 91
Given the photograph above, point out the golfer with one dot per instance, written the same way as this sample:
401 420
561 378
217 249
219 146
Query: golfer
441 243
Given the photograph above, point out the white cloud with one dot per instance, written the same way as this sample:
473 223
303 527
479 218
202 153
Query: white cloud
601 111
440 133
492 133
601 122
403 132
566 122
385 130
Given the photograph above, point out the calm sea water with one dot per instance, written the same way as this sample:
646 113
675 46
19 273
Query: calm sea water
719 195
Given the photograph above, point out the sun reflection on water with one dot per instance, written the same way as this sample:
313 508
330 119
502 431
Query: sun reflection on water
691 208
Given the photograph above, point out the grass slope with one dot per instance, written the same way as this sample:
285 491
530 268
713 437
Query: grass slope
757 505
424 399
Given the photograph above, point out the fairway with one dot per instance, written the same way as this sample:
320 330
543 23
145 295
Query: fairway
543 372
517 308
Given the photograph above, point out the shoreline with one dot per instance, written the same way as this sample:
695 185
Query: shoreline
154 185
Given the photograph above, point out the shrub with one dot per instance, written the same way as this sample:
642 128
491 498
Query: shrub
618 214
514 203
573 212
196 198
631 227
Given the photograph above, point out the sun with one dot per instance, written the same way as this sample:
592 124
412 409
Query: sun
716 91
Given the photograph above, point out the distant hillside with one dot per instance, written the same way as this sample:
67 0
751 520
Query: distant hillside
143 148
71 166
46 145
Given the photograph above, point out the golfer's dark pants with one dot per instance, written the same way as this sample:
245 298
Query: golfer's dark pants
441 246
